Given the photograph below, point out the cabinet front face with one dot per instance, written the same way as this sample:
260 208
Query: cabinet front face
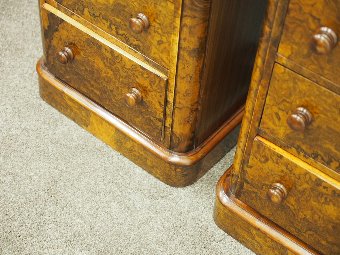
285 177
294 195
109 78
304 116
145 25
311 34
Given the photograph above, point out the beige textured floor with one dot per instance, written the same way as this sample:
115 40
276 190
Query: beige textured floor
64 192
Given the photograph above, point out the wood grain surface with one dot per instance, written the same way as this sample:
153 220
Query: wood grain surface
218 41
303 21
311 209
188 93
251 228
192 46
310 213
174 169
265 59
106 76
113 16
109 62
321 140
230 54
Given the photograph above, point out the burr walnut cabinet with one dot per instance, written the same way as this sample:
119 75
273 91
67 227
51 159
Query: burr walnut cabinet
161 81
282 194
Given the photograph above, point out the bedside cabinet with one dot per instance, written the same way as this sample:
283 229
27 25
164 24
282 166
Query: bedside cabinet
161 81
282 195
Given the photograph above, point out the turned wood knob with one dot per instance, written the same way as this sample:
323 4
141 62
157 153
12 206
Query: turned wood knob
140 23
300 119
65 56
325 40
277 193
133 98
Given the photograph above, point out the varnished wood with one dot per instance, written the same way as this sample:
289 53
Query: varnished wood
279 180
65 56
190 63
265 59
99 34
230 54
300 119
251 228
140 23
320 140
311 208
303 22
114 17
277 193
169 61
175 169
134 97
106 76
321 81
325 40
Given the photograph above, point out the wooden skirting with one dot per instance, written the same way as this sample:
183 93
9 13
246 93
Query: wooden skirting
250 228
175 169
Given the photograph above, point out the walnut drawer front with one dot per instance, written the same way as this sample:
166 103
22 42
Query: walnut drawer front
314 133
114 17
294 195
107 77
311 34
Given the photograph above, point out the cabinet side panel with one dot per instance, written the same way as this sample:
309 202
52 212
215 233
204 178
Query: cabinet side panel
234 32
264 61
192 45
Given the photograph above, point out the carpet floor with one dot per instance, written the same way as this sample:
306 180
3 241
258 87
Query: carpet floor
63 192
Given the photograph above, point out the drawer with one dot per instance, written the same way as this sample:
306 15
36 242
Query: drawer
294 195
304 116
114 17
302 33
110 78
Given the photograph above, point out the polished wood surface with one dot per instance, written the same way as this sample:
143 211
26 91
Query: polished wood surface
265 59
231 49
190 65
114 17
304 21
221 63
319 140
252 229
65 56
154 64
106 76
282 187
277 193
300 119
325 40
140 23
185 98
309 210
173 168
134 97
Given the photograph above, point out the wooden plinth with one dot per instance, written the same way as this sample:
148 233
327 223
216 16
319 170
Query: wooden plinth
174 169
250 228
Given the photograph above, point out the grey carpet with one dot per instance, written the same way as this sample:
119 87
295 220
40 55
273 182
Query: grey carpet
62 191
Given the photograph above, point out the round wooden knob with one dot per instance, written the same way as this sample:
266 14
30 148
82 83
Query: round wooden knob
300 119
140 23
65 56
277 193
133 98
325 40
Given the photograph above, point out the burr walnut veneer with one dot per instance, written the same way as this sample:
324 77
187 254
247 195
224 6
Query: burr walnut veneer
161 81
282 195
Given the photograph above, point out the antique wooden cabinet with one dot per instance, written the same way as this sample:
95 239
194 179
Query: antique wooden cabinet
161 81
282 194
